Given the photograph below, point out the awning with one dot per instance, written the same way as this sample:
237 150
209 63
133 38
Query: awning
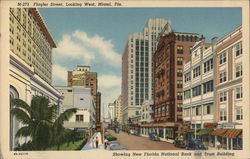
204 132
233 133
218 132
240 136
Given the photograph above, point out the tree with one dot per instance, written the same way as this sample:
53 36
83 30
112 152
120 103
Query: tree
59 132
39 120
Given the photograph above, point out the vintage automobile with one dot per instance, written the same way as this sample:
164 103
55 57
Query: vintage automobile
154 137
115 145
179 142
195 144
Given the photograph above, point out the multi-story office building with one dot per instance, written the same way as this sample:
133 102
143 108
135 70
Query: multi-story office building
30 62
78 97
82 76
118 109
229 93
137 83
31 41
198 86
98 106
173 49
111 111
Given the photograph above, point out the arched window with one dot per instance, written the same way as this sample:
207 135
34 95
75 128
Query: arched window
13 123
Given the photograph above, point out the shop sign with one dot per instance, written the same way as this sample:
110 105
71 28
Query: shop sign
228 125
210 125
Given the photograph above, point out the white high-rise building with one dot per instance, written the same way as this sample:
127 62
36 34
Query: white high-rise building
137 66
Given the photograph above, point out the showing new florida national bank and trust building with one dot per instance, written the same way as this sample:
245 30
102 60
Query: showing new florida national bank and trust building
176 85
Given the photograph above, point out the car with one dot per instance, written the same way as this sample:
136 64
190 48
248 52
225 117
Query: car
154 137
195 144
179 143
115 145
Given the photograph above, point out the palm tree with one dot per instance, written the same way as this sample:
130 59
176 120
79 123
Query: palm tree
39 120
60 133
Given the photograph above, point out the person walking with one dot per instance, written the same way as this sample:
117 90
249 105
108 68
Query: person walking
96 142
105 143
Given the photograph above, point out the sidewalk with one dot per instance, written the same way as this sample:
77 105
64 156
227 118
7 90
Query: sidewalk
90 145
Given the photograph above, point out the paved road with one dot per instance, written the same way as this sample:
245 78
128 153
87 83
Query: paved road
132 142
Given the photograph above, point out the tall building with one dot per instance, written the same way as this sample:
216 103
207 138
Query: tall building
78 97
31 41
229 90
111 111
198 86
118 109
137 74
173 49
30 63
98 106
82 76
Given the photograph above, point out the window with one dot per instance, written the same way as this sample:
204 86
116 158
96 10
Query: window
239 94
223 115
208 65
79 118
239 114
207 109
69 90
187 77
179 84
223 77
187 94
223 97
238 49
196 72
198 110
179 61
179 95
179 49
179 72
238 72
208 86
196 91
179 107
223 58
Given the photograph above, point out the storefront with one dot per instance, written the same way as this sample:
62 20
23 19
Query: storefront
229 139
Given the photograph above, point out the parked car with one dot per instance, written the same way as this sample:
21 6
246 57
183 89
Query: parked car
179 143
115 145
154 137
195 144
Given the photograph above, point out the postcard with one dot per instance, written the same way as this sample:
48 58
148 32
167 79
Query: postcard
124 79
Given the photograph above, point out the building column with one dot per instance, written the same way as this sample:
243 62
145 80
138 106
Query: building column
157 131
164 132
227 143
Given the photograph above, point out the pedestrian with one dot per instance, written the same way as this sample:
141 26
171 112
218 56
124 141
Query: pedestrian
218 145
96 142
167 137
106 143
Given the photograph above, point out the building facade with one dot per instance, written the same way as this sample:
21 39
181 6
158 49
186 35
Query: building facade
82 76
229 92
118 109
198 86
111 111
173 49
78 97
98 106
146 112
137 68
30 70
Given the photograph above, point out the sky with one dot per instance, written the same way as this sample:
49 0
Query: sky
97 36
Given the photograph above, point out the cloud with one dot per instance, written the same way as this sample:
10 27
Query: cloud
109 81
103 47
68 48
59 74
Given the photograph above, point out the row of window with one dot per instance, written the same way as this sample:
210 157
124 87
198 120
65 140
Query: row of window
238 52
238 94
197 111
238 114
196 91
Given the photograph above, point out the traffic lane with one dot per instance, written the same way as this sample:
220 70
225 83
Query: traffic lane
132 142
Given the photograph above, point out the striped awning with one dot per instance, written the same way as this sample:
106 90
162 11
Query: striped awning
218 132
233 133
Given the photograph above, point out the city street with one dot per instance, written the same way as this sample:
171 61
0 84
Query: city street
132 142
